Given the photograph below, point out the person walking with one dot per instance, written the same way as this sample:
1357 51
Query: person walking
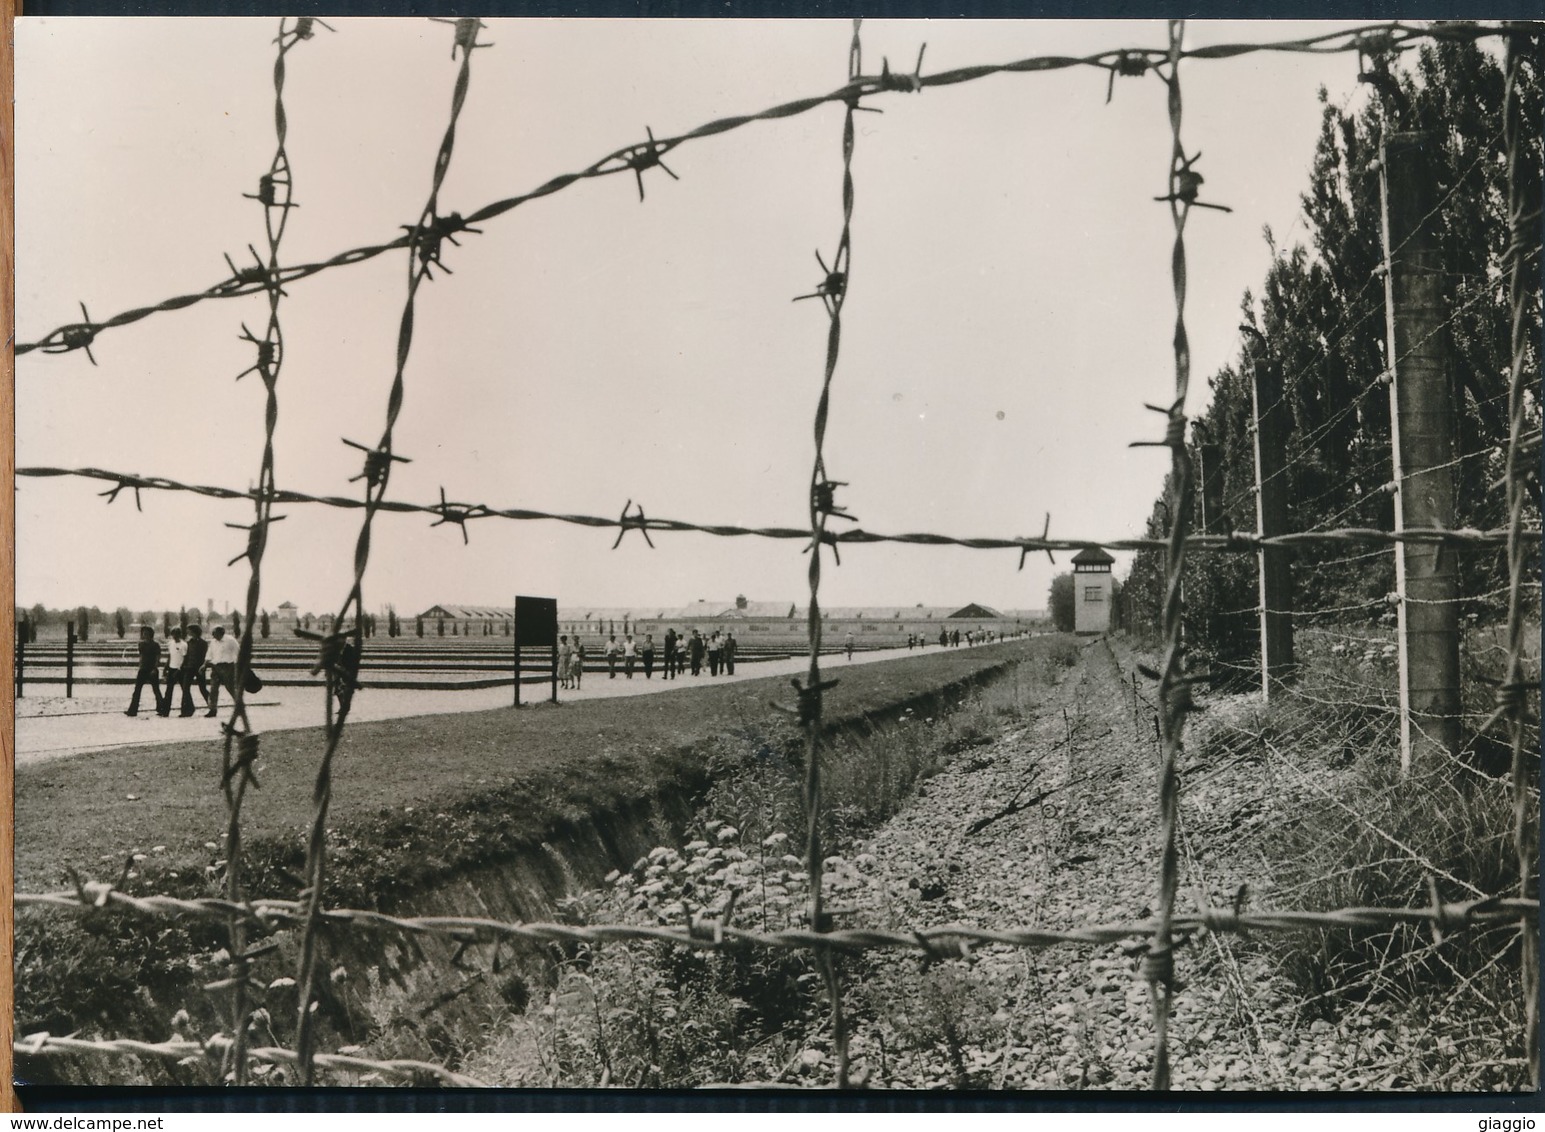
670 654
175 651
695 652
193 668
565 661
629 655
648 656
149 671
729 653
850 645
612 650
578 669
714 646
223 651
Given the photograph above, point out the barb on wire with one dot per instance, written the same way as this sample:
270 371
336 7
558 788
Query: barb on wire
73 336
457 514
430 237
636 522
378 462
831 289
1127 64
1114 60
648 155
267 355
304 29
112 493
466 35
906 84
245 280
1024 551
257 538
1186 183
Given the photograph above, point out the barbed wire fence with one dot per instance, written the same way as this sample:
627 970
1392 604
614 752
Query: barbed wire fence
340 648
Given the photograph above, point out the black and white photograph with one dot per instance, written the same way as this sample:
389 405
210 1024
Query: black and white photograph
963 557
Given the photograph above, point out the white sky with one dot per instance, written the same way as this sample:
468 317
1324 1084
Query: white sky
1009 308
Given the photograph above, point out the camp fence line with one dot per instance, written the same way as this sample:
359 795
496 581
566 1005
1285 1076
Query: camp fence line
1238 541
1158 936
637 156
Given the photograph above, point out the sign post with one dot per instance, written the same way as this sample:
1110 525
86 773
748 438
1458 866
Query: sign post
536 623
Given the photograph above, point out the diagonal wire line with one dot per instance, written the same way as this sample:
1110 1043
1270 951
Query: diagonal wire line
78 335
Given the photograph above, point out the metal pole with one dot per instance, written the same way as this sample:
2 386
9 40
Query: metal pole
1422 441
69 659
1271 518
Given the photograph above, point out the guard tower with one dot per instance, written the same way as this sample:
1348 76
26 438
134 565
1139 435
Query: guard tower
1091 591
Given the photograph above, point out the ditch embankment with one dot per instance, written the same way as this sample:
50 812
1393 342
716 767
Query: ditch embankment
501 814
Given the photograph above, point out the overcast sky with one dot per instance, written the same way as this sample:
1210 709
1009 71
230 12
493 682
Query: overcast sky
1009 309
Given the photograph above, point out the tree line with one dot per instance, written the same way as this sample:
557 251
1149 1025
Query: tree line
1319 317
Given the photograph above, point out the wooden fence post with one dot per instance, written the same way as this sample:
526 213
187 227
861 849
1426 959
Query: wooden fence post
1422 442
23 629
69 659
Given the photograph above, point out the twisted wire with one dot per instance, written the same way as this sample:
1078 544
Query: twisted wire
1241 542
423 244
276 194
1174 693
78 335
935 940
1522 266
822 505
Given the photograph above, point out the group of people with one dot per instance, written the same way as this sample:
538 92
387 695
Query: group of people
188 661
680 652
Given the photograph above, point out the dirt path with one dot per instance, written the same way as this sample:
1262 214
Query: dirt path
1085 853
54 727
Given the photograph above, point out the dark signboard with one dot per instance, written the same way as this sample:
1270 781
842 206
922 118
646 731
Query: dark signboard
536 625
536 621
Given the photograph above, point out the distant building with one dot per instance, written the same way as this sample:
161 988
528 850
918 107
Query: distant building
1092 591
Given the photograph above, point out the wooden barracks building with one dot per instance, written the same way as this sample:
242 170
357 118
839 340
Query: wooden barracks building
753 622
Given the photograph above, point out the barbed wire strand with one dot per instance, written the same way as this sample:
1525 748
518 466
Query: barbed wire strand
1523 206
1234 542
338 656
276 194
78 335
706 934
1174 696
833 294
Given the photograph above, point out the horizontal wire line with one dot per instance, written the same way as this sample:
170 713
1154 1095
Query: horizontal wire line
219 1047
1240 542
709 934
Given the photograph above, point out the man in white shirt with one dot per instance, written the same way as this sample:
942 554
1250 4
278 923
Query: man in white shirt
176 649
223 651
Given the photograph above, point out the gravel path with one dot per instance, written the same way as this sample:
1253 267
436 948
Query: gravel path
50 727
1088 853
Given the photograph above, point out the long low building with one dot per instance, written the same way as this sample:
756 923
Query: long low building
769 622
